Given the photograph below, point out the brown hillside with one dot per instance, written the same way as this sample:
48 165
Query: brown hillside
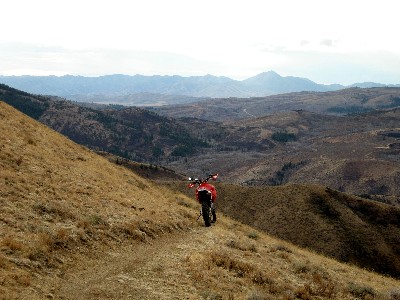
352 100
355 230
75 226
357 154
58 198
350 229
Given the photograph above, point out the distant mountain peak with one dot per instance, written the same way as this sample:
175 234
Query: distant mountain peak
271 73
267 75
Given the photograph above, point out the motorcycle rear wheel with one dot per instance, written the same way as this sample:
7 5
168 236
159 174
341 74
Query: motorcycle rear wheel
206 212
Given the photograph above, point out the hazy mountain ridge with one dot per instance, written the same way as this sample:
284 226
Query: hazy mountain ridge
128 89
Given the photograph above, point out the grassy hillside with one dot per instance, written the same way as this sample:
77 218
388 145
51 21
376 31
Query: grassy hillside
75 226
354 230
58 198
350 229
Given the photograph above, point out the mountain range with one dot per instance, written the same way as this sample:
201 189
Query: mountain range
161 90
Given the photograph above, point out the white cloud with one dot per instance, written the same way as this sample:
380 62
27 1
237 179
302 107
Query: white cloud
236 38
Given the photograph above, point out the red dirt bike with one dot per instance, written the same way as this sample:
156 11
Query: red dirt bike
206 195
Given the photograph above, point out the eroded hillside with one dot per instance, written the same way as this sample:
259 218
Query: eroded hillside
358 154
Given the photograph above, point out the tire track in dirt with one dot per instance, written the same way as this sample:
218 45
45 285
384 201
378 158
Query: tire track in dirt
152 270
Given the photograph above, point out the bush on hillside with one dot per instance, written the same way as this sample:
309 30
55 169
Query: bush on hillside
283 137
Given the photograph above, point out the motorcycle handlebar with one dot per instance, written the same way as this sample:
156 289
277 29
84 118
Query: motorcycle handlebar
202 180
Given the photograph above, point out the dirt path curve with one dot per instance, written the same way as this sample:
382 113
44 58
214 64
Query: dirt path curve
154 270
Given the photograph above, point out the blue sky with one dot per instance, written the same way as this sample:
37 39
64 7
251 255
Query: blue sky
326 41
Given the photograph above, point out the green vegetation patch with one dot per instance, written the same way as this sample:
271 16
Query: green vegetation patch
283 137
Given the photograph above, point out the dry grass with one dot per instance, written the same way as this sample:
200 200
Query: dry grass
57 197
269 275
323 220
70 219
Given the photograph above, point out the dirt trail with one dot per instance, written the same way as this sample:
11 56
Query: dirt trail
154 270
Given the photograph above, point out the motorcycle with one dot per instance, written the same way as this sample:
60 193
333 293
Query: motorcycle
206 195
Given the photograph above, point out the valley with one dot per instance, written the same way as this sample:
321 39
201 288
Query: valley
357 154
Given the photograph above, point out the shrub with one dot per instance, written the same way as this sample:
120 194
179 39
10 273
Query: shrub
131 230
253 235
3 261
395 294
210 295
282 248
234 244
360 291
324 286
261 277
53 210
259 295
352 171
46 242
96 220
19 161
224 260
283 137
183 150
304 292
302 268
324 206
12 244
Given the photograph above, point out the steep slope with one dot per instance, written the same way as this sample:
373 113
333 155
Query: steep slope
349 229
58 198
75 226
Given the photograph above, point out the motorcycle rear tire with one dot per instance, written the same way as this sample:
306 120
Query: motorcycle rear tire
206 211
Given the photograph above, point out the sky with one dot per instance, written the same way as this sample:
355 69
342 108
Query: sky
340 41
